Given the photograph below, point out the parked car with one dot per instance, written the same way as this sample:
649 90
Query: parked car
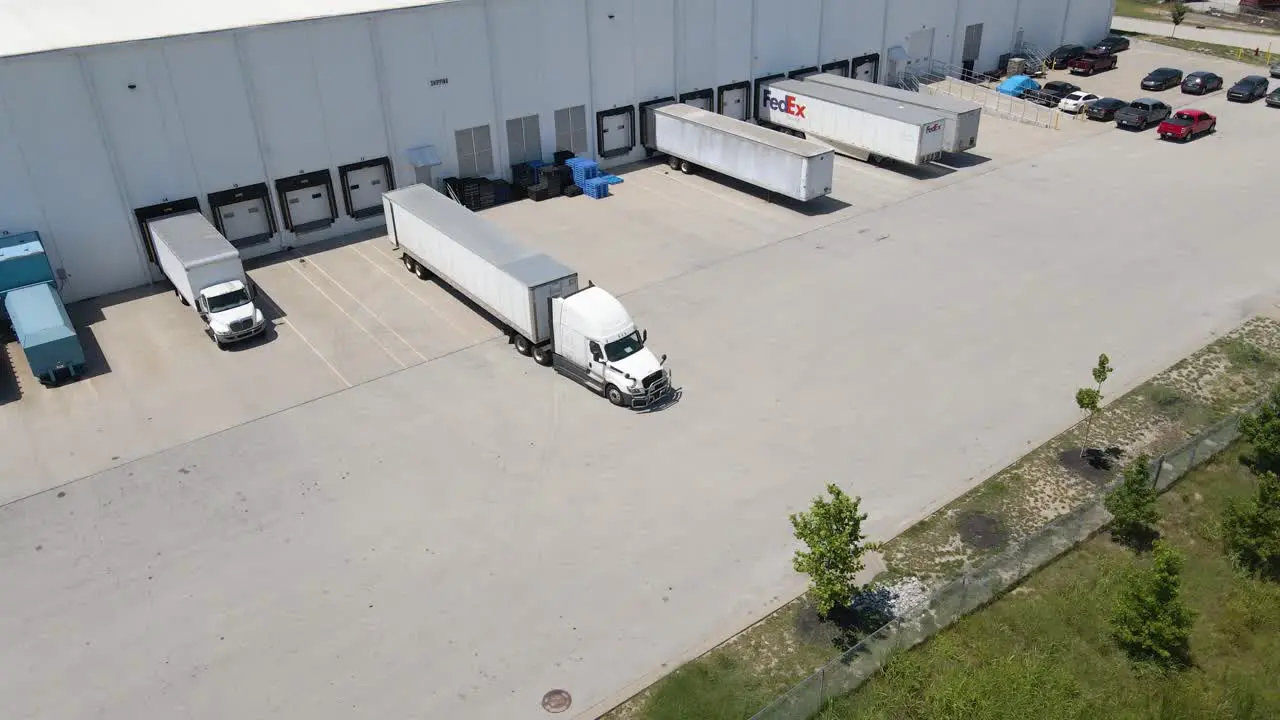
1105 108
1273 100
1113 44
1201 82
1275 69
1186 124
1142 113
1077 101
1052 93
1064 54
1248 89
1092 62
1162 79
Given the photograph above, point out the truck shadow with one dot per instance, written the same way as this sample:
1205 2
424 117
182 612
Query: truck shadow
818 206
87 313
10 385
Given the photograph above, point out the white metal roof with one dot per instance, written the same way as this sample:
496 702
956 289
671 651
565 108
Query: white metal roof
36 26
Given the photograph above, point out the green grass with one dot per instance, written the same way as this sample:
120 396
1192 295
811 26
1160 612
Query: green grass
1044 649
1226 52
1145 9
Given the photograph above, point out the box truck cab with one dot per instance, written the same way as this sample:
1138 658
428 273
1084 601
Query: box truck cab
207 273
595 341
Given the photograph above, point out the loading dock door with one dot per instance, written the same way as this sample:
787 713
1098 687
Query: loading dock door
616 133
365 187
309 207
245 222
702 102
866 68
734 103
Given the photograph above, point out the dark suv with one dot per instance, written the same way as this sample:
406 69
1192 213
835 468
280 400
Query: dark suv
1249 88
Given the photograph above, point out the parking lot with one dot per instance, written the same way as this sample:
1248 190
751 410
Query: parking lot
380 510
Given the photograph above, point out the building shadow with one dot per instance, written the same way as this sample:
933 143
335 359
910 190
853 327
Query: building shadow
10 384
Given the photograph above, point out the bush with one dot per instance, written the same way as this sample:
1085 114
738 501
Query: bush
832 531
1262 430
1251 531
1133 505
1150 621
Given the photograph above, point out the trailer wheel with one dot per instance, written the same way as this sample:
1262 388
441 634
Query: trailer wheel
408 263
523 346
686 167
421 271
673 162
614 395
542 355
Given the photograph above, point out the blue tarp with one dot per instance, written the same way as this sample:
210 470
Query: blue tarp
1017 85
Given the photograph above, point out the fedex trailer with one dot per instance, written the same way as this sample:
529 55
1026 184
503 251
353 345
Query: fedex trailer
860 126
961 131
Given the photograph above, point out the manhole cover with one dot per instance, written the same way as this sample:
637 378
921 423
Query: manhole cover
556 701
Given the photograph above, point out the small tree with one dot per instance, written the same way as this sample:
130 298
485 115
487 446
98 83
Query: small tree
1251 531
1150 621
1090 399
1133 505
1262 430
1176 15
832 532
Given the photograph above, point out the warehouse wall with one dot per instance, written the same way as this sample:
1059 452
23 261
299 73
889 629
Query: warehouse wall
89 138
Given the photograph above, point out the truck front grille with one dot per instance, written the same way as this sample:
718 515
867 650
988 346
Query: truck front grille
241 325
651 379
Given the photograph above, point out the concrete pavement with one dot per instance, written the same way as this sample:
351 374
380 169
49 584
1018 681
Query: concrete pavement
1188 31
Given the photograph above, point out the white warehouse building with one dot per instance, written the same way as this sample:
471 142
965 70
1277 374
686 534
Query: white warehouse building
284 128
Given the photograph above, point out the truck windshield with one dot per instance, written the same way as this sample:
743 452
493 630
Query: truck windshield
226 301
624 347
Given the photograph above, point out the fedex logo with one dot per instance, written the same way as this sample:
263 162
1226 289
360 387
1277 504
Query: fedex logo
934 127
786 104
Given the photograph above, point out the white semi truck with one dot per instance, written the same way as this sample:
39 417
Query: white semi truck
963 117
859 126
206 272
692 137
583 332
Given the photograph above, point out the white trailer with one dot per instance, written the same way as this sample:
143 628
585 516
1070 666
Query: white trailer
860 126
585 333
963 117
206 271
692 138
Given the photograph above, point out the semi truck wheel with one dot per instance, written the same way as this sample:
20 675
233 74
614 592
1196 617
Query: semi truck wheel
673 162
542 355
614 395
687 167
408 263
421 271
523 346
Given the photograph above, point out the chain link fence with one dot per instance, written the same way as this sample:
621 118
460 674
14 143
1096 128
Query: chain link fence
986 582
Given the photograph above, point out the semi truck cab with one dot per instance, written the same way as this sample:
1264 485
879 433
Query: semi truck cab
230 312
595 341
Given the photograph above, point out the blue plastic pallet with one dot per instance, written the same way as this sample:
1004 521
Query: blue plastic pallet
611 179
596 188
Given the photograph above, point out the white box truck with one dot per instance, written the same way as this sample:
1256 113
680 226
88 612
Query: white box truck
206 272
584 333
860 126
963 117
692 137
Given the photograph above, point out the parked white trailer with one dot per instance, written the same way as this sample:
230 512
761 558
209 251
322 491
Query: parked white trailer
692 138
585 333
206 272
860 126
963 117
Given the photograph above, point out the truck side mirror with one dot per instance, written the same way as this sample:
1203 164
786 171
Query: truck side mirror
663 361
644 336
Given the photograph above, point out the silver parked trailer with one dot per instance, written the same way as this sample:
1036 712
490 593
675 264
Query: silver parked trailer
961 132
692 138
860 126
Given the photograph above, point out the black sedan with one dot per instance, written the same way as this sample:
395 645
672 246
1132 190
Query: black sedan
1113 44
1273 100
1064 54
1201 82
1162 79
1105 109
1249 88
1052 93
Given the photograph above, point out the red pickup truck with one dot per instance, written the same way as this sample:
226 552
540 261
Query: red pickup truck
1091 62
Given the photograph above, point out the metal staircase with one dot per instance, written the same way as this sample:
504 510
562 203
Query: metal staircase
940 78
1036 58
